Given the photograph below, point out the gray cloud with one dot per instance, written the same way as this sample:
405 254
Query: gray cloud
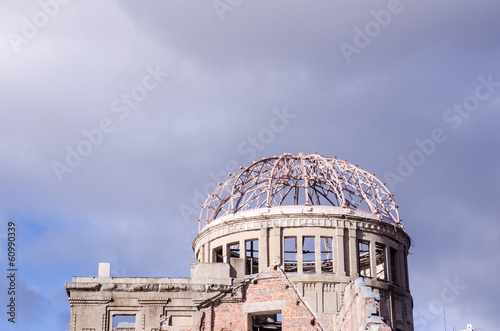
226 77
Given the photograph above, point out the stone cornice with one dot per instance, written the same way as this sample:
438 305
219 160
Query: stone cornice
146 287
154 302
384 229
88 302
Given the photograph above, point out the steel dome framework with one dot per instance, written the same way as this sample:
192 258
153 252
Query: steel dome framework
300 180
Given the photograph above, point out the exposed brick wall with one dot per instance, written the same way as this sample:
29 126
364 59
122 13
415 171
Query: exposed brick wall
230 312
269 286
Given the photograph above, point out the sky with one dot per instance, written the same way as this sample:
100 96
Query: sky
117 118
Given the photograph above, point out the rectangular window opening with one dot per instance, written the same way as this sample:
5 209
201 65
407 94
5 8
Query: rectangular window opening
364 258
326 255
252 257
380 260
308 255
266 322
234 250
290 256
218 258
123 322
394 265
407 279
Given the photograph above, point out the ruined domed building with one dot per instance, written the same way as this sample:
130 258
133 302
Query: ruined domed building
301 242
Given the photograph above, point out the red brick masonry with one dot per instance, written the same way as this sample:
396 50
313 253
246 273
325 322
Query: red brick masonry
272 292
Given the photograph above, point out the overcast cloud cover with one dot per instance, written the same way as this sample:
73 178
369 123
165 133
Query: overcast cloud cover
180 90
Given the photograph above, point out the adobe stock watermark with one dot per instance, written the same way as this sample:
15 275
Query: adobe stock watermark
225 6
372 29
249 147
121 107
30 27
454 117
424 316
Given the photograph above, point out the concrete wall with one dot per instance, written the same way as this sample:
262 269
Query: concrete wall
360 310
95 301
